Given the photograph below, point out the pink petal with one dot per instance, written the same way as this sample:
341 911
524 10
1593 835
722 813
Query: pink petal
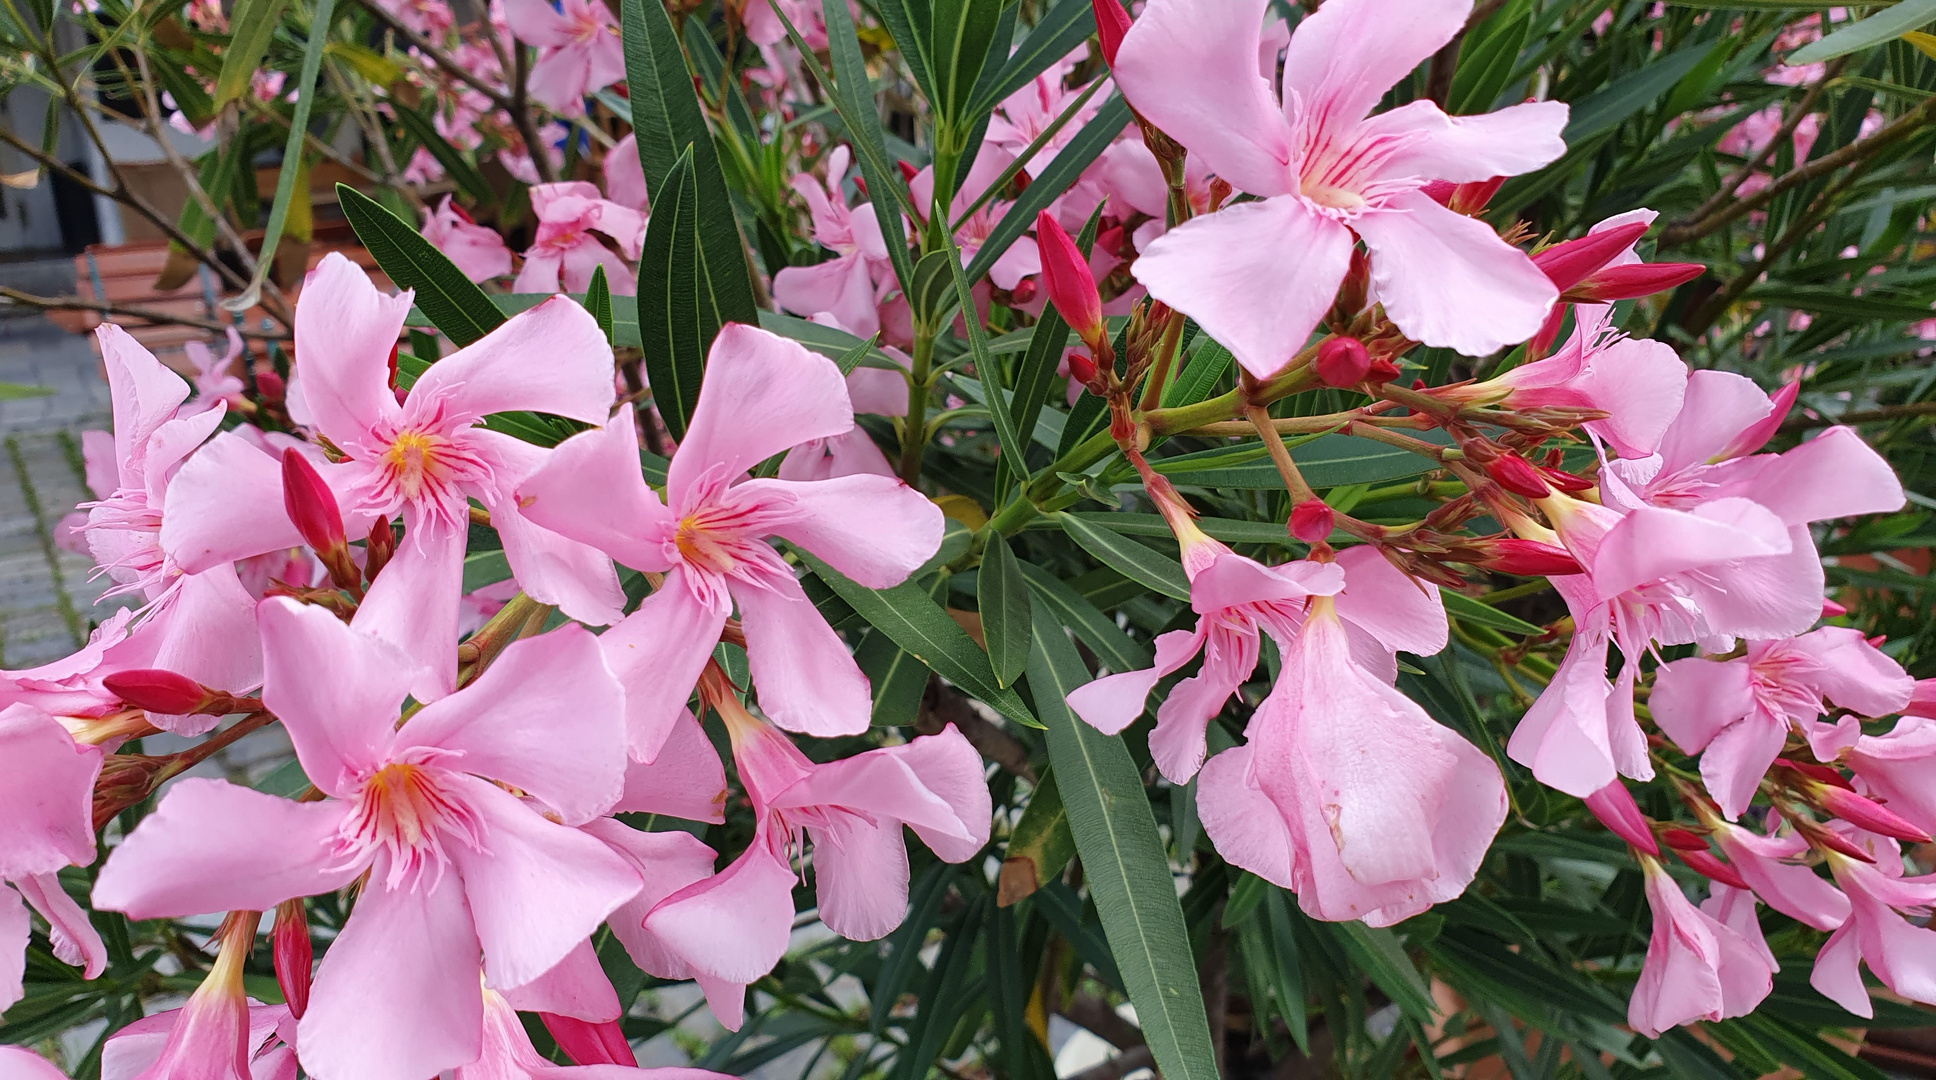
624 174
537 23
851 454
1837 974
224 504
1406 614
657 653
18 1063
145 394
537 888
208 633
884 785
841 286
1694 699
546 717
798 395
1177 742
46 795
1794 890
1232 580
1734 763
413 605
874 529
1191 69
213 846
397 996
734 925
1855 674
685 780
576 987
1227 270
808 681
73 937
1448 280
16 931
1718 407
590 490
861 875
552 569
1563 738
1511 141
952 769
667 862
497 372
1640 384
1900 953
346 330
1770 596
561 78
1113 702
1833 475
1650 543
336 691
1245 825
540 272
1679 981
1339 65
1897 767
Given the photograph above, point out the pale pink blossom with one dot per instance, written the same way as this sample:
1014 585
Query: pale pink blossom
1326 172
872 390
46 824
267 1044
1770 866
1738 713
422 168
1900 768
216 382
477 251
430 18
516 158
762 394
456 864
764 27
1021 258
732 928
1638 383
507 1054
1900 953
578 50
1025 115
625 174
1697 967
564 253
849 286
71 686
1347 793
202 620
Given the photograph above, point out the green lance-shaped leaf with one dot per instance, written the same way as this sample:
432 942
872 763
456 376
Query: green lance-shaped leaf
452 302
1877 28
292 169
908 615
1124 864
1062 30
1040 847
1127 557
598 300
668 124
1070 161
1036 372
254 22
678 312
1004 597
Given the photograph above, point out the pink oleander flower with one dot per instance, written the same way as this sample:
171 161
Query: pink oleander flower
216 382
850 285
1708 455
19 1063
452 863
1235 599
1900 767
1347 793
422 459
1026 114
1638 383
201 621
732 928
1021 259
1698 967
507 1054
762 394
1767 864
1899 953
1737 713
517 159
564 254
268 1034
578 50
460 109
477 251
625 174
871 390
46 823
71 686
213 1037
1328 173
764 28
422 168
430 18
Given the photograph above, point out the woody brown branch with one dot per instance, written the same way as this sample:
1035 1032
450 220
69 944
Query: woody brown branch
132 311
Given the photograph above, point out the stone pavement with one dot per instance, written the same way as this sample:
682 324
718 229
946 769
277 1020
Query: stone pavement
46 599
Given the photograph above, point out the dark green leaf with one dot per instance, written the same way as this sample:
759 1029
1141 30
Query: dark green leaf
1060 32
254 23
1075 156
598 300
1865 33
452 302
1132 559
1460 606
678 311
1608 107
1004 597
1041 845
1098 631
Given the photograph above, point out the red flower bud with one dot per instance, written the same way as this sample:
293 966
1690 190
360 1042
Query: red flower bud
269 386
1112 22
1682 840
1704 863
1632 280
1355 289
1867 814
1527 558
1072 288
1756 435
1564 480
1081 368
293 954
1614 806
1471 197
1821 774
1342 362
159 691
1383 370
908 172
1542 340
1568 263
310 504
587 1043
860 185
1831 609
1311 521
1023 292
1517 475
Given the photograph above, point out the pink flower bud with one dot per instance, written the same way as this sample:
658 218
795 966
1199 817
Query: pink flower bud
1342 362
1527 558
908 172
1614 806
1383 370
1072 288
1471 197
1628 282
269 386
1517 475
1831 609
1112 22
1564 480
1568 263
1311 521
310 504
1705 864
293 954
159 691
1682 840
586 1043
1081 368
1867 814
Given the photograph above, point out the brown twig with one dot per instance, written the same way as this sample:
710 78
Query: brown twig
1094 1015
1787 131
521 116
1862 416
77 303
1818 211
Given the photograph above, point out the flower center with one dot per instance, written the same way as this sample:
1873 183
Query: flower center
412 459
407 810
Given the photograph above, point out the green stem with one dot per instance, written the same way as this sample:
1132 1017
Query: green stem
914 427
